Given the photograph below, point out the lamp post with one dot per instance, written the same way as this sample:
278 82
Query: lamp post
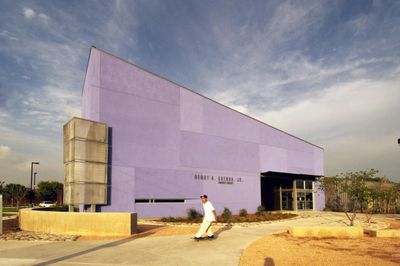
34 179
32 163
398 141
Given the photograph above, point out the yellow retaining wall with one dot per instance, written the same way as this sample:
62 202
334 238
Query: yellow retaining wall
385 233
326 231
78 223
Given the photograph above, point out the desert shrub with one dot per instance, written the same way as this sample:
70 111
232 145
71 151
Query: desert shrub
172 219
180 219
226 215
243 213
260 210
167 219
193 214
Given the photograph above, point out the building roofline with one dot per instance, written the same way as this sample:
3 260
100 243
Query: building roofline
179 85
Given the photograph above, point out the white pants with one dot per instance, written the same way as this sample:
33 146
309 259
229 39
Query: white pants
205 228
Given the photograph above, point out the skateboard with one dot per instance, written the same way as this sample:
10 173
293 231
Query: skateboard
203 238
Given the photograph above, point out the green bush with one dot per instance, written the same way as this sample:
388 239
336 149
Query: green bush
167 219
260 210
243 213
172 219
226 215
193 214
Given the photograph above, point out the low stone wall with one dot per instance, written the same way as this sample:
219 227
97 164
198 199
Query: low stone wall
384 233
78 223
1 214
326 231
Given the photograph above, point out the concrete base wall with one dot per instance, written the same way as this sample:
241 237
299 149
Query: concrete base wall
326 231
385 233
78 223
1 214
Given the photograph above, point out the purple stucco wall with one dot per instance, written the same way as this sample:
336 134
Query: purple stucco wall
319 197
163 135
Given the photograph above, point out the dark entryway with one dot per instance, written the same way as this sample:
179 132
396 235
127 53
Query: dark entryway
284 191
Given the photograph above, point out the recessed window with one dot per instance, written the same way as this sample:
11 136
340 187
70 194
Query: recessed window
142 201
169 200
159 200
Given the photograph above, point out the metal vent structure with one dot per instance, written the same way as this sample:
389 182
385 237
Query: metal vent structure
85 162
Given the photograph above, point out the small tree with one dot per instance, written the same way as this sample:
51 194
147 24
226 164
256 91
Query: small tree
354 186
243 213
226 215
193 214
260 210
333 188
47 190
16 192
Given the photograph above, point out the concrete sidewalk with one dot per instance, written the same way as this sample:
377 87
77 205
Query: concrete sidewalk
166 250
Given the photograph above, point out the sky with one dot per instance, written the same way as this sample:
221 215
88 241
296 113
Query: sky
325 71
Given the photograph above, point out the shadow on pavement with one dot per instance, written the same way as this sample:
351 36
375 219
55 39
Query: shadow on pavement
222 229
141 233
269 262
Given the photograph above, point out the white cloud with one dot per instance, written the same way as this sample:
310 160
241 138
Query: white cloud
343 108
44 16
4 151
72 111
23 166
28 12
7 35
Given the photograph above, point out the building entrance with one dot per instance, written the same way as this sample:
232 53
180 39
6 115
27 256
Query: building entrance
284 191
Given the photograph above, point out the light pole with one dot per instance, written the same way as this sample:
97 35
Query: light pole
34 179
32 163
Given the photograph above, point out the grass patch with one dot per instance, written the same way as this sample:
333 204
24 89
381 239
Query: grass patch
10 209
7 214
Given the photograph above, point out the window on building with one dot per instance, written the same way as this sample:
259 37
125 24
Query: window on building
159 200
169 200
142 201
309 201
300 184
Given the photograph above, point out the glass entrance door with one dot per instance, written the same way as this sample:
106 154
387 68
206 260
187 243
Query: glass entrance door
301 200
287 200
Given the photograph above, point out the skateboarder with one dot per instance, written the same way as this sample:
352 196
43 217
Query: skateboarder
209 216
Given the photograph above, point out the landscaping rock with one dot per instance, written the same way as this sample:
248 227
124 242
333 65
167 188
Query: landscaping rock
32 236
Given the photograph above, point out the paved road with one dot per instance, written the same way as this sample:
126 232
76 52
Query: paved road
165 250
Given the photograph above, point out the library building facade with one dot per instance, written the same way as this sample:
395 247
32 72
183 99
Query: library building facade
148 145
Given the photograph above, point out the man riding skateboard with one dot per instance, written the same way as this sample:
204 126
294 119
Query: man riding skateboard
209 216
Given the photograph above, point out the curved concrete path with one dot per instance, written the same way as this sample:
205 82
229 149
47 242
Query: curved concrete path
165 250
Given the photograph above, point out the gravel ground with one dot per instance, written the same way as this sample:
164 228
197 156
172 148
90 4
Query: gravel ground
283 249
12 232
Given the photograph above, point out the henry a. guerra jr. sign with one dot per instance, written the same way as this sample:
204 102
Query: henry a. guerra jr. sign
221 179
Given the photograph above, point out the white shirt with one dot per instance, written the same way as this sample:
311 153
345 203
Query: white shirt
208 211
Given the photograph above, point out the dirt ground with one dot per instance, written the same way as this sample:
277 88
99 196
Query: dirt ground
283 249
394 224
10 225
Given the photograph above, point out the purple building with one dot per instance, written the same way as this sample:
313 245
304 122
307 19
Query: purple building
169 145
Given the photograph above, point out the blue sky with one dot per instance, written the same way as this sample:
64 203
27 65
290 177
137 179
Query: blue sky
326 71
